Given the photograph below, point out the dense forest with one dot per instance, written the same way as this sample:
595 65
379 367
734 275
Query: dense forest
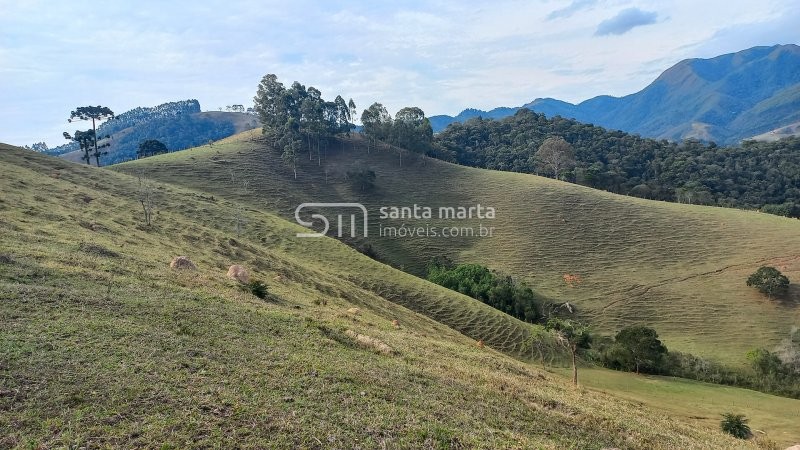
763 175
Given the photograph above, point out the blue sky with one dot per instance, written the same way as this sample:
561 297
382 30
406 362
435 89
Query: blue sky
440 55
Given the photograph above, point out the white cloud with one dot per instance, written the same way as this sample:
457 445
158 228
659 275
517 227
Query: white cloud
626 20
572 8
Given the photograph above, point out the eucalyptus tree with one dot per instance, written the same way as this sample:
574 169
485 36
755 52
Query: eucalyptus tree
412 130
377 123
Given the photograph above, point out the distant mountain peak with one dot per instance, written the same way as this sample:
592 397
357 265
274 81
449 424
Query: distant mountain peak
726 98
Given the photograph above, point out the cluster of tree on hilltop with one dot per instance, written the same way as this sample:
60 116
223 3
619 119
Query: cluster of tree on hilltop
755 175
409 129
297 119
142 115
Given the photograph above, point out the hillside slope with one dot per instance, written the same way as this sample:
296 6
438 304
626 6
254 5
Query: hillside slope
103 345
723 99
779 133
678 268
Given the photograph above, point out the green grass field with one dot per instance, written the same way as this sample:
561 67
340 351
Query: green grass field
678 268
698 402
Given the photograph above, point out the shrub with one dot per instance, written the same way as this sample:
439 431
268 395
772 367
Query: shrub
370 252
770 281
258 289
735 425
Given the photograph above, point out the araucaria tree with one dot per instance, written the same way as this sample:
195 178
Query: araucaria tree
555 155
770 281
572 335
85 140
298 117
88 139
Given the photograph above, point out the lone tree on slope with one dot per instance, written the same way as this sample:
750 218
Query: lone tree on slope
572 335
638 348
770 281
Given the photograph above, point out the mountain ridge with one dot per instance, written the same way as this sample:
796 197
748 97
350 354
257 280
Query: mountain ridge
724 99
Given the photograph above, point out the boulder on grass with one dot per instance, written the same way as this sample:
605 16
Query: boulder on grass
182 263
238 273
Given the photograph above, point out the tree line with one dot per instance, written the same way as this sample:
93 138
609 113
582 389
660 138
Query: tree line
755 175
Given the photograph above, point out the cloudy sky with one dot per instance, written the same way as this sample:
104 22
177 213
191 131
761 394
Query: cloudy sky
440 55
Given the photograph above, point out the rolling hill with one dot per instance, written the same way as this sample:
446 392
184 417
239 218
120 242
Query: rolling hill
678 268
103 345
723 99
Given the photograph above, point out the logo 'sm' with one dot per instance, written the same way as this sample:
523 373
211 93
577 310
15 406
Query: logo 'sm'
324 220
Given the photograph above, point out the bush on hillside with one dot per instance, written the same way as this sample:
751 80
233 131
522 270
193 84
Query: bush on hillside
735 425
258 289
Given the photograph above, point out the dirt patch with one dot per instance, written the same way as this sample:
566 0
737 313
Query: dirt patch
370 342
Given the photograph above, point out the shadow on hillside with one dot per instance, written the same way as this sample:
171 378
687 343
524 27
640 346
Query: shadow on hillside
792 298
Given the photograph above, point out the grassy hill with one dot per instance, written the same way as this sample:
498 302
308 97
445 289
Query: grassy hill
678 268
125 142
103 345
